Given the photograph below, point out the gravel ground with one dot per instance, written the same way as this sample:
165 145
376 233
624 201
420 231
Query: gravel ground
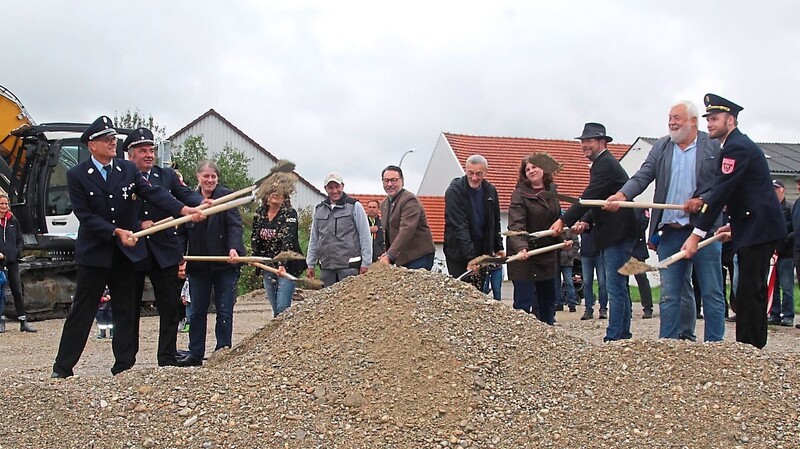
400 359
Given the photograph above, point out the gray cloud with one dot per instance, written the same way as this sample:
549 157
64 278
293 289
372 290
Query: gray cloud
350 86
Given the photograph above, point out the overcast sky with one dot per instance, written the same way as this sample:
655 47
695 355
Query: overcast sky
350 86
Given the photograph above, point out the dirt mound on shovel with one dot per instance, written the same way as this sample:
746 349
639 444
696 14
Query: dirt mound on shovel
410 359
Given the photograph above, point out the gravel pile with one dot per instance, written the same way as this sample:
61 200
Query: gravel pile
408 359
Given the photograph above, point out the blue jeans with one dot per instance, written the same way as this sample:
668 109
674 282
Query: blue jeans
200 285
677 305
589 265
536 297
619 298
425 262
783 304
330 277
279 292
494 281
566 283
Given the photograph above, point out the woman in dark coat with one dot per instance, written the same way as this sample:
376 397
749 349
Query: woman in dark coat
533 278
274 231
220 234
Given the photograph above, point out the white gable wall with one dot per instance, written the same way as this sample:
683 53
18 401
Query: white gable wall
442 168
216 134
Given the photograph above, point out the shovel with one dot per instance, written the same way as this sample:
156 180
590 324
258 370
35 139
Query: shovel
486 260
532 235
281 257
311 284
282 166
601 203
187 218
634 266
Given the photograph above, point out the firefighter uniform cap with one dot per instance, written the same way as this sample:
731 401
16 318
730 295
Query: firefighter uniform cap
103 126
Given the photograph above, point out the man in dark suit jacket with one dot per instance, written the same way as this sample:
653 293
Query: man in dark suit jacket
164 252
743 183
615 233
103 192
683 165
471 219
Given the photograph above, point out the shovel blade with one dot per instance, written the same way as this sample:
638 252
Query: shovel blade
634 267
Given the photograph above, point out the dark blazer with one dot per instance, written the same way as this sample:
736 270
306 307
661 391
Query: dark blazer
101 206
744 184
12 242
223 232
658 167
165 245
458 243
606 177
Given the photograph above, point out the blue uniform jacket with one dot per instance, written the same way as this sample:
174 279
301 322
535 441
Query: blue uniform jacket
165 245
744 184
101 206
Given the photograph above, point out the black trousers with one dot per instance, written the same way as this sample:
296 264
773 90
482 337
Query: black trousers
91 283
16 287
166 289
751 294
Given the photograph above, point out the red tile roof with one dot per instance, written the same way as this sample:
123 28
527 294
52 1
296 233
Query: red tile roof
505 154
434 210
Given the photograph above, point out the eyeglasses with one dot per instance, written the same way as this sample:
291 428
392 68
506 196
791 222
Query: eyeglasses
109 139
391 180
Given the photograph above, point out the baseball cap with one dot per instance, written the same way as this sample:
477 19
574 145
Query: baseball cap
333 177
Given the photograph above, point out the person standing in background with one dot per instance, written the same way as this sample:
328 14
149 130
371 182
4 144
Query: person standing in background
11 245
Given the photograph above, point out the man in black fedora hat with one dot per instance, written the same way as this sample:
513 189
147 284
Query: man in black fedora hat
615 233
744 185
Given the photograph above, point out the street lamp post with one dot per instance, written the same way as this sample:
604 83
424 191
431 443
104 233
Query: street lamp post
404 156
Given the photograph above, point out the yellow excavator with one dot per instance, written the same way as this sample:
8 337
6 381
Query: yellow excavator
33 173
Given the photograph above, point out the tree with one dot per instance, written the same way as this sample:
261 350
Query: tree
135 119
187 156
233 168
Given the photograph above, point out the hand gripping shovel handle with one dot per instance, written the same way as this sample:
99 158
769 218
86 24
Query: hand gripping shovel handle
682 253
187 218
518 256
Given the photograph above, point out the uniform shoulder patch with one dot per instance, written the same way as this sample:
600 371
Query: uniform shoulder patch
728 165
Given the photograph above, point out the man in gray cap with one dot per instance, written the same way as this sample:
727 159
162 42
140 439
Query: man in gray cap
340 237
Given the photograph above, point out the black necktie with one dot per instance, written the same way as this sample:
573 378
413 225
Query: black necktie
107 169
146 175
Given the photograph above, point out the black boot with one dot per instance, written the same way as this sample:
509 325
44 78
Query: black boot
24 326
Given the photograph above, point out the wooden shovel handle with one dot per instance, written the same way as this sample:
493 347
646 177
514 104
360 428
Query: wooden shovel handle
187 218
215 202
273 270
633 204
682 253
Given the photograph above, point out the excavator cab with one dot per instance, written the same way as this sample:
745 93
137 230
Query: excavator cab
34 160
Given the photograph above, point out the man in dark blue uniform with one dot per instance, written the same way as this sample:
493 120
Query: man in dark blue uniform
744 184
163 248
103 192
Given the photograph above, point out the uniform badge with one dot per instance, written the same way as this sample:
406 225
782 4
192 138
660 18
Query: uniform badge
133 197
727 165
